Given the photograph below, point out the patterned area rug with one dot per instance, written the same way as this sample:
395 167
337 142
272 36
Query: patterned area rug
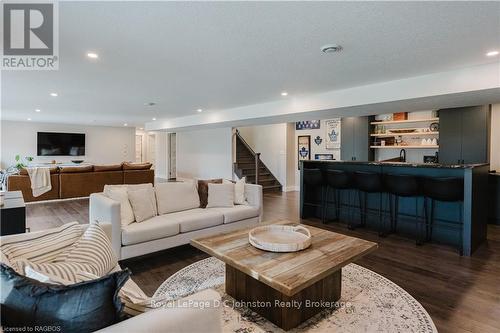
369 303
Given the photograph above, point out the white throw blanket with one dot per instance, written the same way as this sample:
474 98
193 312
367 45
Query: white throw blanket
40 180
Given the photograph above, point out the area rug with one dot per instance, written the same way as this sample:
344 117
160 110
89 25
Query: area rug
369 303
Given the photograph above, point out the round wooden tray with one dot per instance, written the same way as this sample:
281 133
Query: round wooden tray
280 238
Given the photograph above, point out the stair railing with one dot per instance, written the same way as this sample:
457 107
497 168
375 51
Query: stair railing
256 155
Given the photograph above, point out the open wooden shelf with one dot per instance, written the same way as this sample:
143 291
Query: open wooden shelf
386 135
404 121
406 147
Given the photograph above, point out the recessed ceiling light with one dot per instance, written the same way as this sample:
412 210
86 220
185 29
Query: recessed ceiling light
37 110
153 119
199 110
53 94
284 93
492 53
331 48
29 119
141 128
125 124
92 55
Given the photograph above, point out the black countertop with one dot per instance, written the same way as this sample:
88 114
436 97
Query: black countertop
405 164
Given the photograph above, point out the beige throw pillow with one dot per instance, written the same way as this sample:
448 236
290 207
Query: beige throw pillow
120 194
239 190
176 196
142 205
220 195
133 187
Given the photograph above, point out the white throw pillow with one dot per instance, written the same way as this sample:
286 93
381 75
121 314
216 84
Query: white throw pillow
220 195
133 187
176 196
120 194
142 205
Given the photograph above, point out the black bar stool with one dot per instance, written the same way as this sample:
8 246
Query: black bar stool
403 186
365 183
446 189
313 180
336 180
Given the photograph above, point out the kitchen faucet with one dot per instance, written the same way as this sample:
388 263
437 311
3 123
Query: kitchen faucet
402 155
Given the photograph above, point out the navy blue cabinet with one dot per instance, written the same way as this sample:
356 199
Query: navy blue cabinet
464 135
355 143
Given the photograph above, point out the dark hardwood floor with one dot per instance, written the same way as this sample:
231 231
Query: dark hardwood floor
462 294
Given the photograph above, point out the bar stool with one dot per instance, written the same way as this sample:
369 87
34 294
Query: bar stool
313 179
405 186
365 183
336 180
445 189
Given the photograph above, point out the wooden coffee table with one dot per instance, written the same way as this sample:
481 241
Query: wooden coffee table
285 288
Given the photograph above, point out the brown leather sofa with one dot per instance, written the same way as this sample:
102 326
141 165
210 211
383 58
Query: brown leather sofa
81 181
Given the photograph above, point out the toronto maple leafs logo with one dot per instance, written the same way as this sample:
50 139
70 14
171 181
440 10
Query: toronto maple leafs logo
303 152
333 135
318 140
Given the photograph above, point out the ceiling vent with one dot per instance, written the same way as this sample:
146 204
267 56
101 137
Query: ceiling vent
331 48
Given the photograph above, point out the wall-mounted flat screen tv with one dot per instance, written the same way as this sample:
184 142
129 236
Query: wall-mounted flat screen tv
60 144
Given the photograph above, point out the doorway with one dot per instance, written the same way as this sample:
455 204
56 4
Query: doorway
138 148
152 149
172 153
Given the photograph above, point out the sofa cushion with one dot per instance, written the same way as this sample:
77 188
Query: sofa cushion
196 219
52 170
142 205
176 196
155 228
136 166
30 305
220 195
203 190
236 213
108 167
73 169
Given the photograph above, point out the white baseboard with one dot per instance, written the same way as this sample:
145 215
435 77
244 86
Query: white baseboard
291 189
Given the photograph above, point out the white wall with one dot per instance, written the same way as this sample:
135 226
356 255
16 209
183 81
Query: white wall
495 138
103 145
205 154
161 152
270 142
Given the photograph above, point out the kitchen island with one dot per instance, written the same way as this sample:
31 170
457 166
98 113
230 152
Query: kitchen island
473 210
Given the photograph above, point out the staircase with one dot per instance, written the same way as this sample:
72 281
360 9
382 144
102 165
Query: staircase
245 166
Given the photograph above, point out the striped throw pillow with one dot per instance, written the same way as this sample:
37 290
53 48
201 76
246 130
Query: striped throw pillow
43 248
56 271
93 248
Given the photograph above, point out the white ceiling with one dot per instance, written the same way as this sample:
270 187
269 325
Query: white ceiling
221 55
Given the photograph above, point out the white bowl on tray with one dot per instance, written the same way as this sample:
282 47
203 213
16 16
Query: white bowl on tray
280 238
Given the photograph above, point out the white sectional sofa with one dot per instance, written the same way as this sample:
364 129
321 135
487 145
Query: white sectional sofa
174 228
